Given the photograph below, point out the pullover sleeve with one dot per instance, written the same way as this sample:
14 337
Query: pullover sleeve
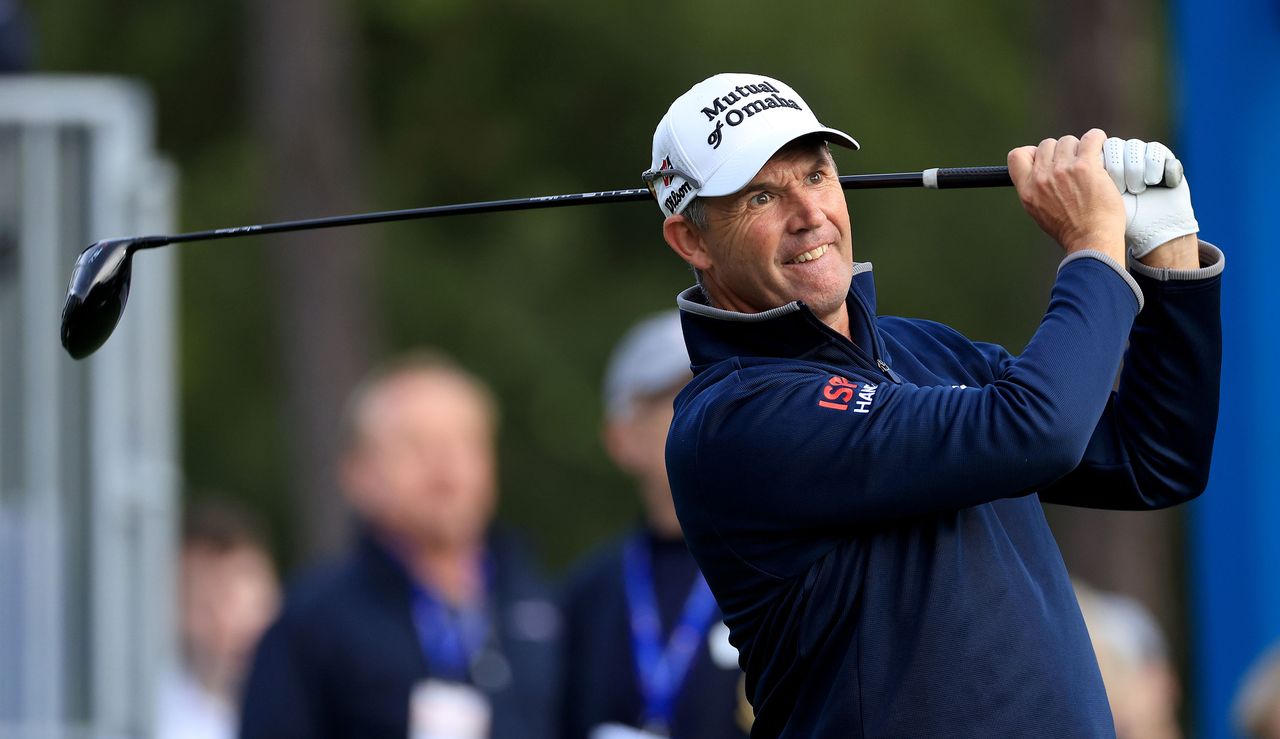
282 695
1153 445
799 448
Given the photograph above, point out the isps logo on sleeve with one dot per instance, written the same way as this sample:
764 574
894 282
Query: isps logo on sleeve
839 394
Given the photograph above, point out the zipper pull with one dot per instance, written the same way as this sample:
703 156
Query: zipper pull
888 372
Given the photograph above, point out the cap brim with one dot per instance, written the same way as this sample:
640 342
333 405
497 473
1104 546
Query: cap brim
738 170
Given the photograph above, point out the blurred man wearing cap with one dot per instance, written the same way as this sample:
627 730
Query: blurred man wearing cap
863 493
646 652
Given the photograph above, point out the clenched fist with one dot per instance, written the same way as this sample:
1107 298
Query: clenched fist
1065 189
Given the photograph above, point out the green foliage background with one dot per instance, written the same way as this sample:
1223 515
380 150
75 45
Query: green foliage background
484 100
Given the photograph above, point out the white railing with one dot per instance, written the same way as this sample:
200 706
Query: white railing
88 452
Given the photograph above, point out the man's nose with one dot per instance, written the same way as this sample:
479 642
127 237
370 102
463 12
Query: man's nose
806 211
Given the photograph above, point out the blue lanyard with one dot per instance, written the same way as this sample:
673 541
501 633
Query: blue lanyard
450 638
661 671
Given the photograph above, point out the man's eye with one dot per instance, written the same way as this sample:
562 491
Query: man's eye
816 178
761 198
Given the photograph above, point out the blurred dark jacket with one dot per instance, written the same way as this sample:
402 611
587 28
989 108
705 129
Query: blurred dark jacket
15 39
600 668
343 657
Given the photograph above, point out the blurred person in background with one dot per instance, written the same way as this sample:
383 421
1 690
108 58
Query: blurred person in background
1257 706
436 625
1140 680
15 42
646 652
228 593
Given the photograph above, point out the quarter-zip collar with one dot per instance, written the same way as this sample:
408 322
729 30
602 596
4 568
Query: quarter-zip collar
790 331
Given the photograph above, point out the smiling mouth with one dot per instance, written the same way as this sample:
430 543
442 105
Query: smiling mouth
810 255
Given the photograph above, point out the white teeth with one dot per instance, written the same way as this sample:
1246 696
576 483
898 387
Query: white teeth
811 255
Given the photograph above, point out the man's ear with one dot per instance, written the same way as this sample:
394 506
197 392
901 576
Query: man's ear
686 241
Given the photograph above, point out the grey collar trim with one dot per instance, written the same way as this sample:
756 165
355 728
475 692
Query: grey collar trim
694 300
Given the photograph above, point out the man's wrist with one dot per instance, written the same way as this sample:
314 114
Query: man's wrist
1112 246
1180 253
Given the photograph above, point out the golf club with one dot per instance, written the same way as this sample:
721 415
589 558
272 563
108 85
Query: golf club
99 285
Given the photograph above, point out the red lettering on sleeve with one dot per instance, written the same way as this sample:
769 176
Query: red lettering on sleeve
837 393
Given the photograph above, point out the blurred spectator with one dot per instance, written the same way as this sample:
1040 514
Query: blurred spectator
1141 682
644 642
15 43
1257 707
228 593
435 625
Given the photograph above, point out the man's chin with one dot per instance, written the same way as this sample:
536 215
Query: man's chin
826 297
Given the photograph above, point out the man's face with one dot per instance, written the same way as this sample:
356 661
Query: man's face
783 237
637 443
227 599
422 467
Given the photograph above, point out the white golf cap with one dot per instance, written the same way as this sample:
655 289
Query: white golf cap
649 359
719 134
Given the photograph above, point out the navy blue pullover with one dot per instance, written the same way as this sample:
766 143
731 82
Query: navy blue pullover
343 657
868 514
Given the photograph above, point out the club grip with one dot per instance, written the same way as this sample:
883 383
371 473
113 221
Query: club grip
942 178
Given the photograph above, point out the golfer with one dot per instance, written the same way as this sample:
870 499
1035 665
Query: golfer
863 493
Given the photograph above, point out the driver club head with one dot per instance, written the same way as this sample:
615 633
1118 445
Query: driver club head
96 295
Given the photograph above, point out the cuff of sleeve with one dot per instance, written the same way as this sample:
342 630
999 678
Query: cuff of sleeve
1113 264
1212 260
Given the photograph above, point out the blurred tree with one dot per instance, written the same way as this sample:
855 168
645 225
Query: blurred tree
307 110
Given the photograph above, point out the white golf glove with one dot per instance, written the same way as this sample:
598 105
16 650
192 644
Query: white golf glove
1155 215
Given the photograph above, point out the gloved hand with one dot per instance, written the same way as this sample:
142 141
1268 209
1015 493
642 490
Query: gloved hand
1154 215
